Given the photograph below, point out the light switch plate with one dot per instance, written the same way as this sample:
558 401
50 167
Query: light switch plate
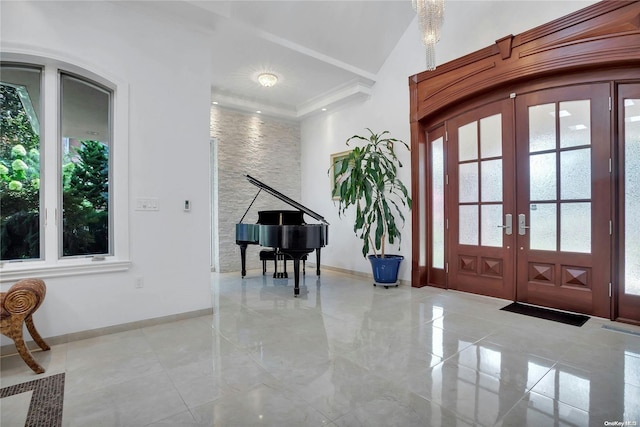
147 204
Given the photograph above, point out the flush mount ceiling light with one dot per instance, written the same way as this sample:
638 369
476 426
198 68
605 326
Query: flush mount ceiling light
267 79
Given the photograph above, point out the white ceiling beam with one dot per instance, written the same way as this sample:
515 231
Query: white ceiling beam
362 74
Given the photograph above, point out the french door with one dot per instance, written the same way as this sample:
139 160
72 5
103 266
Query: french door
529 199
564 198
481 201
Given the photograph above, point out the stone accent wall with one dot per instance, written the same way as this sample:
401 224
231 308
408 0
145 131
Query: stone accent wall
268 150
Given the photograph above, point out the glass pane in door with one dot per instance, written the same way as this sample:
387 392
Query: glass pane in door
560 220
468 176
468 142
491 182
480 186
632 196
491 219
575 226
544 228
491 136
575 123
542 171
542 127
469 232
437 203
575 174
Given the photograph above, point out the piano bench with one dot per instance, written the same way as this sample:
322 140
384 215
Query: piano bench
267 255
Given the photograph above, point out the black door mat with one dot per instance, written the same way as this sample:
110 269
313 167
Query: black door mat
546 313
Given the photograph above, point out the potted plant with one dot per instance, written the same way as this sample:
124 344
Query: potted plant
367 178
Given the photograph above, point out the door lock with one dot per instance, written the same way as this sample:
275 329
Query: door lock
522 227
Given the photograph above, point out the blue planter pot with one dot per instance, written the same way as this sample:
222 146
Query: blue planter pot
385 270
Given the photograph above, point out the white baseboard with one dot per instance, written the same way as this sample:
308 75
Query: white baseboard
10 349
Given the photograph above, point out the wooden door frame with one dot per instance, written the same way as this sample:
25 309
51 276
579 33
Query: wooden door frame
598 43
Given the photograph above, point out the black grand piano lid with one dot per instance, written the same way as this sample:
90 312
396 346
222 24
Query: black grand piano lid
286 199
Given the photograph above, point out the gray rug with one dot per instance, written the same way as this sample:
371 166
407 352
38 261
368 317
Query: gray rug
45 409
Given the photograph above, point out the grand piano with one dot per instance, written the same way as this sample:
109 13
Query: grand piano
283 230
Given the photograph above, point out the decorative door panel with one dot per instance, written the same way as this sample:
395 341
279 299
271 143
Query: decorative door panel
564 198
481 202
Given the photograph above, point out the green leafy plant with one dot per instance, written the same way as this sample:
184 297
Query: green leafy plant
368 179
85 200
19 179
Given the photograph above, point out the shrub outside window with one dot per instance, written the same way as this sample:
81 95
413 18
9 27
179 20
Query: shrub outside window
20 198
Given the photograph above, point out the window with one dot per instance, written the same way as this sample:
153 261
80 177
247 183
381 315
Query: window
85 128
20 197
57 164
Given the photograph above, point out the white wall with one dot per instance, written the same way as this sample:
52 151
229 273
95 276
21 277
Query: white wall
169 94
469 26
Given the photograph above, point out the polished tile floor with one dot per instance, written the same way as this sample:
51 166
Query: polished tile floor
344 353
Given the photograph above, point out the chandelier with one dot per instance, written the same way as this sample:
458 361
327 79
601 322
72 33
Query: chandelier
430 17
267 79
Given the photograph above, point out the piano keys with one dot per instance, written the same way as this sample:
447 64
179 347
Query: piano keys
283 230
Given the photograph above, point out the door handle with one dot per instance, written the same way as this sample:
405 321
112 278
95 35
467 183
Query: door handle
522 227
508 225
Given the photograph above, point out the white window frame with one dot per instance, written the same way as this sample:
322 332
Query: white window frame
51 263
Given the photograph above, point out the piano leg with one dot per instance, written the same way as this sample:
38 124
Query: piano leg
284 261
243 258
296 274
296 256
318 262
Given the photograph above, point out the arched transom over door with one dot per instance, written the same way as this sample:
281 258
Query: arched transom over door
529 156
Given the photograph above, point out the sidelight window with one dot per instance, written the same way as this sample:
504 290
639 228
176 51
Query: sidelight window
632 196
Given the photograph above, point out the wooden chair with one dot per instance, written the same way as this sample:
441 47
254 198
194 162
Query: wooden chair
18 305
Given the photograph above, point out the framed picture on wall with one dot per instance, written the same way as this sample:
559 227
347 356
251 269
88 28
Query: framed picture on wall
336 161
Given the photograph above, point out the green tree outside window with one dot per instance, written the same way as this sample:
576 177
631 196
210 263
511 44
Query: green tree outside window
85 187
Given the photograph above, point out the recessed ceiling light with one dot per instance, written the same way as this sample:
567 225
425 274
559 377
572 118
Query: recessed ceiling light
267 79
324 109
215 102
259 112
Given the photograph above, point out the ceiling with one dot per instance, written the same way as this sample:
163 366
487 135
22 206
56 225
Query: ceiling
325 53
